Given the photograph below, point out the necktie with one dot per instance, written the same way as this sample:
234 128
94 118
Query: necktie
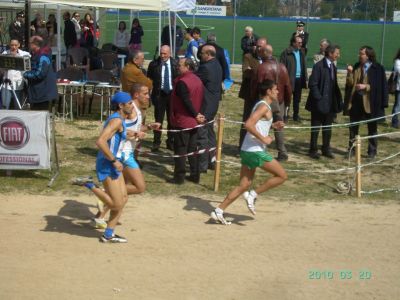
165 87
332 72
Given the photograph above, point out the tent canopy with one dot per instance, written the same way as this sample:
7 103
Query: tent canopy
152 5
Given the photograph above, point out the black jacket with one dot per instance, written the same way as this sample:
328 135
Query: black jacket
154 73
324 96
17 32
69 34
210 73
247 43
220 56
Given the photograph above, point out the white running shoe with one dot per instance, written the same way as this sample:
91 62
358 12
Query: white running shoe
114 239
251 201
219 218
99 223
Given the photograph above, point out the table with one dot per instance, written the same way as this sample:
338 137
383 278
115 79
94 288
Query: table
78 87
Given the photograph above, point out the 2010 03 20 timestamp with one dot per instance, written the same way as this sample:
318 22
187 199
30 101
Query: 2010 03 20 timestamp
343 274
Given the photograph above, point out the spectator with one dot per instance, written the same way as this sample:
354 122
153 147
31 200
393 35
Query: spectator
16 30
177 38
186 102
121 37
321 54
294 60
133 72
302 34
369 95
210 73
36 23
88 34
162 71
135 42
42 84
13 79
248 42
69 31
396 106
192 46
76 19
324 101
196 33
272 69
51 27
220 54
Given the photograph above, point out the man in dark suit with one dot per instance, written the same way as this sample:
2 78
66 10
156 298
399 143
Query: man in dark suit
220 54
324 100
162 71
210 73
294 60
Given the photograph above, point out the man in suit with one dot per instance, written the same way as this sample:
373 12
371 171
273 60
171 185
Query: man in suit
368 95
16 30
220 54
324 100
251 62
162 71
210 73
294 60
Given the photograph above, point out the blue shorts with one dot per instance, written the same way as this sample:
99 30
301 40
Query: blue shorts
105 168
129 161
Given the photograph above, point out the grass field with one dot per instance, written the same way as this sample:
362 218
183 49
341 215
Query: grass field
350 36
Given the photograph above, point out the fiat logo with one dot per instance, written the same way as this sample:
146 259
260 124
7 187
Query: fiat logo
14 134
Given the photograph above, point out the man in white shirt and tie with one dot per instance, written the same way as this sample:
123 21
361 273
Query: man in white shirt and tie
162 71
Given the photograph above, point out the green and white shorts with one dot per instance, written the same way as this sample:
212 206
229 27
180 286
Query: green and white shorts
255 159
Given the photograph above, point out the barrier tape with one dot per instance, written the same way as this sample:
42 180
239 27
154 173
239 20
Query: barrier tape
184 129
198 152
379 135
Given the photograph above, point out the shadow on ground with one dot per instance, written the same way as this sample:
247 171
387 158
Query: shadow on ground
73 218
204 206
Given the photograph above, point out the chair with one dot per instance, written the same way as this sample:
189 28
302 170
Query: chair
78 57
96 77
109 61
72 73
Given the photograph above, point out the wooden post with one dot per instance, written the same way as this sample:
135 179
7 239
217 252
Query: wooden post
358 163
220 121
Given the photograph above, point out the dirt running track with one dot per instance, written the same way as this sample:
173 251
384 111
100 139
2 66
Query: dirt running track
49 251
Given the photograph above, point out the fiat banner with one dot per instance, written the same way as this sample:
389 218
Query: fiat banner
24 140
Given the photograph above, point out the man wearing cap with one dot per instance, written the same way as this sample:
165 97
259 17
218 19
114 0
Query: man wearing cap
16 30
302 34
108 166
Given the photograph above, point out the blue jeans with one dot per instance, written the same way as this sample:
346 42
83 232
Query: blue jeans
396 109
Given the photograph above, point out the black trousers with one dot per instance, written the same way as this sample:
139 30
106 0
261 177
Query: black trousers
296 98
185 142
206 140
48 105
318 119
161 106
357 113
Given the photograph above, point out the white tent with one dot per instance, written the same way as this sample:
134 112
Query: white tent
148 5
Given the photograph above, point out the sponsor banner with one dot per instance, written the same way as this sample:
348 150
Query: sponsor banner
396 16
208 10
24 140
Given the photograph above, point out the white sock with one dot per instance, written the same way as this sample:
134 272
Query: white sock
253 193
219 211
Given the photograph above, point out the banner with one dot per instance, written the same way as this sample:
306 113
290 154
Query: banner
208 10
24 140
